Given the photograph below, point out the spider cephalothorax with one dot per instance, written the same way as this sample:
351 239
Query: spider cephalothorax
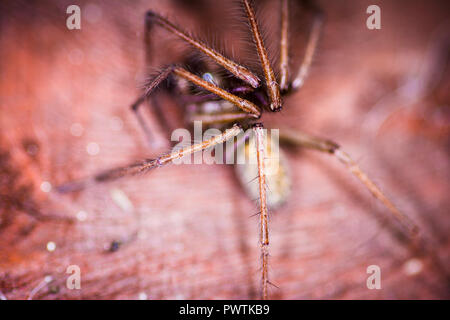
204 108
237 103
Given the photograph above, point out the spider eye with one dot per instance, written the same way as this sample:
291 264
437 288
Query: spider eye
209 77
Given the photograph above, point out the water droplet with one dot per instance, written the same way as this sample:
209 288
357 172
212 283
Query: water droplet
93 148
81 215
76 57
51 246
93 13
46 186
116 124
413 266
76 129
142 296
121 199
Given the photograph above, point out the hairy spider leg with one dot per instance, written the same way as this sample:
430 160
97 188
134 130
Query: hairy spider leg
148 164
273 87
241 103
311 47
307 141
263 213
284 46
236 69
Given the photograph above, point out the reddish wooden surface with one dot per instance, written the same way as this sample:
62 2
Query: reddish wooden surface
196 238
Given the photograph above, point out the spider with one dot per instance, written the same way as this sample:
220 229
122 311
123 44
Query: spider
240 101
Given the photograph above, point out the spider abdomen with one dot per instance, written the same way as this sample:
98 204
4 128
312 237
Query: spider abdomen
278 177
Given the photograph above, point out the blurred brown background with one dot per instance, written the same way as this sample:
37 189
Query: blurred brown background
185 232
